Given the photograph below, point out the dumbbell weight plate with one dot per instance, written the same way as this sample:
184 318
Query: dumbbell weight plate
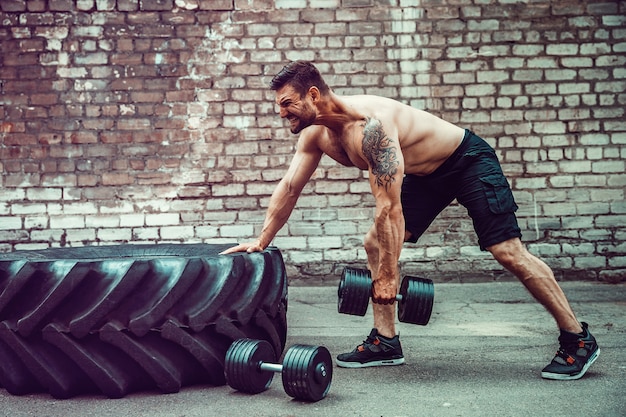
355 289
307 372
241 366
417 300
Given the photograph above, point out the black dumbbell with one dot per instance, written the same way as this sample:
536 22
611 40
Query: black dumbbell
307 371
415 300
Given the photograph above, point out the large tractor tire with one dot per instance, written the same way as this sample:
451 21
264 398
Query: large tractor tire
119 319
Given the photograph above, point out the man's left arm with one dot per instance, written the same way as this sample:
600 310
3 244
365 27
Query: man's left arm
382 150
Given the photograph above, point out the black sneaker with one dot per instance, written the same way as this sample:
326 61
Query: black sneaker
376 350
575 355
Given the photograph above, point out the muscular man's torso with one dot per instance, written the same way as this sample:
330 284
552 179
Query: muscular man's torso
426 140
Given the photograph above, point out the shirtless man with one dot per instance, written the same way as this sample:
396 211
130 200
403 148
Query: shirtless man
417 164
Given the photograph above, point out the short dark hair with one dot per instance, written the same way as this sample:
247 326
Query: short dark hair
301 75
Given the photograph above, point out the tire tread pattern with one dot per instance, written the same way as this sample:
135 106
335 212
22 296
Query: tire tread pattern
119 319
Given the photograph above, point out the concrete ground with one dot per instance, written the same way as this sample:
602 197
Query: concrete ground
480 355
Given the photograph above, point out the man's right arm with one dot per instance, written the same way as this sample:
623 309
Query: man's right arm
285 196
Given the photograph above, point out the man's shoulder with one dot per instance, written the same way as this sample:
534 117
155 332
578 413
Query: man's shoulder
314 133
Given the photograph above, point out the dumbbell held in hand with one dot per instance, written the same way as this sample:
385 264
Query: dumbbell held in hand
307 371
415 299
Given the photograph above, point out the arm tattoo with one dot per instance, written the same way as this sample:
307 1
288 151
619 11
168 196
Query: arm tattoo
381 155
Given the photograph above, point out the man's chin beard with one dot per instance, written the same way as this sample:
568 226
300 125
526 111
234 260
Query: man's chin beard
300 126
297 128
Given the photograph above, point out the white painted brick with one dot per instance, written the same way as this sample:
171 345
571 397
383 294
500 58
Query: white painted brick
31 246
162 219
47 235
324 242
228 190
590 180
243 230
595 207
290 242
36 208
559 209
76 236
145 234
120 234
318 215
608 166
12 194
304 229
260 188
574 88
617 261
545 249
344 200
44 194
560 75
578 62
341 228
10 222
550 128
588 262
542 62
578 249
177 233
102 221
340 255
67 222
483 91
562 49
618 207
80 208
132 220
574 166
207 232
529 183
33 222
117 207
301 257
594 153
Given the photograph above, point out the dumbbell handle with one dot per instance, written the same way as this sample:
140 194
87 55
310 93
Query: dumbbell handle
398 296
271 367
274 367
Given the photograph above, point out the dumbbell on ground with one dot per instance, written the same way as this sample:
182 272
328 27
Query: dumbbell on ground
415 299
307 371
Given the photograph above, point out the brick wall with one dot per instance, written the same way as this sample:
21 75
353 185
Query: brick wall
151 121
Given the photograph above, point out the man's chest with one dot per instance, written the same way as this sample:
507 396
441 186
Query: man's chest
345 148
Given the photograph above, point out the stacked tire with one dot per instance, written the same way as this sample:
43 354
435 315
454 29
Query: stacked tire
120 319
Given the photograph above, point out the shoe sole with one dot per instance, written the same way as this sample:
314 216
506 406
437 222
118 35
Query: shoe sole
567 377
384 362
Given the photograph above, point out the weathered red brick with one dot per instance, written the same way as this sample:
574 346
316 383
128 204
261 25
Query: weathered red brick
149 5
153 178
82 137
118 178
145 97
127 5
13 6
217 4
61 5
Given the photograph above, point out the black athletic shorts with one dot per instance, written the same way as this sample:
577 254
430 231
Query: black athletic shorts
472 175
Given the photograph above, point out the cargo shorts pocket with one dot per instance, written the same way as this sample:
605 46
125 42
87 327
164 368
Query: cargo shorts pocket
498 193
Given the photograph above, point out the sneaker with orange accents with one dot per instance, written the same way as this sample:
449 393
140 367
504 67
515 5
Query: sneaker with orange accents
575 355
376 350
